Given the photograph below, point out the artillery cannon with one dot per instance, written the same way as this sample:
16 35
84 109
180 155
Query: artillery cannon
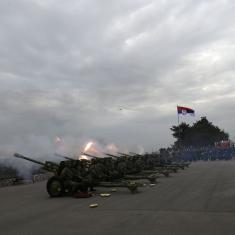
175 166
131 185
159 170
112 179
136 154
63 182
124 154
65 157
111 155
71 176
152 176
48 165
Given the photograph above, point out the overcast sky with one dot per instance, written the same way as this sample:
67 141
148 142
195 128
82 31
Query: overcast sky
66 68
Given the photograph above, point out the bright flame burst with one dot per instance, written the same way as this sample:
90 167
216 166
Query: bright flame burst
83 157
88 146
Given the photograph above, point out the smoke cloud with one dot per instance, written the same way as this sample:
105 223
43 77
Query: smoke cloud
111 72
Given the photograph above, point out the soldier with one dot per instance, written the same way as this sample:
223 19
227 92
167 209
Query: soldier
95 173
138 164
70 173
121 167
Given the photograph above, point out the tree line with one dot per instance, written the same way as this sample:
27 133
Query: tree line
199 134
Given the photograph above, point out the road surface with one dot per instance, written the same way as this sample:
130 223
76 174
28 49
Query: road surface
198 200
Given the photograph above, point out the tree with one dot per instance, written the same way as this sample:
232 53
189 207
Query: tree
180 133
201 133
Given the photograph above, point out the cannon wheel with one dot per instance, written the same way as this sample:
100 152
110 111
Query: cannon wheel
166 174
55 187
152 180
133 188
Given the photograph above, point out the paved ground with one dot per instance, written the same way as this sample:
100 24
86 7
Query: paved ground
199 200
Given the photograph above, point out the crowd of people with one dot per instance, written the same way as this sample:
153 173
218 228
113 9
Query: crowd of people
210 153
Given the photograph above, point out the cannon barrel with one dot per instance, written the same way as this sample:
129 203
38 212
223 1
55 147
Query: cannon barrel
124 154
65 157
49 166
88 155
28 159
111 155
136 154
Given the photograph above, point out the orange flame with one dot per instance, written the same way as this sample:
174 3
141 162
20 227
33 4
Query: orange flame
88 146
83 157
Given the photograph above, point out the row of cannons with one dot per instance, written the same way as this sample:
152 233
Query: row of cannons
72 176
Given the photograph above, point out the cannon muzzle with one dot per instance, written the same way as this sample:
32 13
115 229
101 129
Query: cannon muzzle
124 154
65 157
111 155
28 159
49 166
88 155
136 154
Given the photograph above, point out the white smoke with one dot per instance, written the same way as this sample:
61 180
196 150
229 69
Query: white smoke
43 149
24 169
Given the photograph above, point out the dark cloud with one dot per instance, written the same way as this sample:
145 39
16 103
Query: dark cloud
67 67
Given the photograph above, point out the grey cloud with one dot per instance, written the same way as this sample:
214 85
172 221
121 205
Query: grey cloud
67 67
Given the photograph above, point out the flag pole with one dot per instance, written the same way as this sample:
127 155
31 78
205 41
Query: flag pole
178 116
178 123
